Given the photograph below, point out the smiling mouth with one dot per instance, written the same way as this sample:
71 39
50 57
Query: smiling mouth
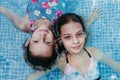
76 47
44 30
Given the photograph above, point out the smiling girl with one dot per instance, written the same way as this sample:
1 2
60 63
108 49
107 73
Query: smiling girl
77 61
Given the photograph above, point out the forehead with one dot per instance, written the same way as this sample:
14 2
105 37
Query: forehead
71 26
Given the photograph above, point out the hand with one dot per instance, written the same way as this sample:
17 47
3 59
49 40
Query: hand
93 16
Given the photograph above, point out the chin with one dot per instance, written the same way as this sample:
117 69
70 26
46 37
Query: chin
76 52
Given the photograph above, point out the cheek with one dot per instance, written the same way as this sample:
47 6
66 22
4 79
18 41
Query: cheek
51 35
82 41
51 38
66 44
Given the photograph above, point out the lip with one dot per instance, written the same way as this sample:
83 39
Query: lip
41 29
44 30
76 47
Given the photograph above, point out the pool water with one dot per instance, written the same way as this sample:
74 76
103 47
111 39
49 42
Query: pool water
104 34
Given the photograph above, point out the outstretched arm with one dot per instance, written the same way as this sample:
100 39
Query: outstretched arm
100 56
20 23
34 75
110 62
93 16
37 74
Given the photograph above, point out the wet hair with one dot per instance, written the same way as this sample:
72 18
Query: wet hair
62 20
39 62
68 17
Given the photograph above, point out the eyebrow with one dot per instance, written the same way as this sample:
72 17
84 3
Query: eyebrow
69 33
80 31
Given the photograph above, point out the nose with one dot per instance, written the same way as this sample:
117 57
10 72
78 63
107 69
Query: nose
42 36
75 40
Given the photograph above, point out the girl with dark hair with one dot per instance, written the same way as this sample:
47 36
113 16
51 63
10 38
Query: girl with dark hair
78 62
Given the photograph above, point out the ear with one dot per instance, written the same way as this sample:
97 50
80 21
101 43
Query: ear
27 42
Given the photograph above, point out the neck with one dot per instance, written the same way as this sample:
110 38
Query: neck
76 56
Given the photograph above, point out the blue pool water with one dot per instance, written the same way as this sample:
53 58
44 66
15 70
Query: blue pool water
104 34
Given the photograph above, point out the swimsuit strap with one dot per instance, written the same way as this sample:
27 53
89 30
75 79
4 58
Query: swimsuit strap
83 48
87 52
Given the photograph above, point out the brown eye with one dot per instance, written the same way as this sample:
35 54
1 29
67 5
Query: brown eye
35 41
49 43
80 34
67 37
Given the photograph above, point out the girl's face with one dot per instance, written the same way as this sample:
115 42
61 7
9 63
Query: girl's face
42 41
73 37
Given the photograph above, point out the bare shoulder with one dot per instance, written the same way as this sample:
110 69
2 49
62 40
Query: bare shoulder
95 53
100 56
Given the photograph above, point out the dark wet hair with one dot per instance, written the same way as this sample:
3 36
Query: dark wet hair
68 17
39 62
62 20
